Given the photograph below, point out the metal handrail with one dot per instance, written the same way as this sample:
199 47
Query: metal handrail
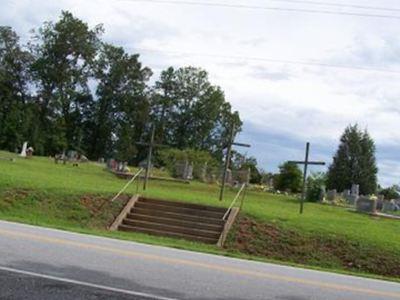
126 185
234 200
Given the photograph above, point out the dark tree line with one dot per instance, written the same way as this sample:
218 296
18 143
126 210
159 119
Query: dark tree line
67 89
354 162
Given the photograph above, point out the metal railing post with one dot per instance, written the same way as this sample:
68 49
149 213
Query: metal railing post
126 185
234 201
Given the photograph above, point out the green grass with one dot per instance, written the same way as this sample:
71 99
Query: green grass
37 191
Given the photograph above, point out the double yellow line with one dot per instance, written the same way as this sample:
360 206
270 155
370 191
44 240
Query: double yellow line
186 262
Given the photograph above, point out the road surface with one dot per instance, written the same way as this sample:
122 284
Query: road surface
41 263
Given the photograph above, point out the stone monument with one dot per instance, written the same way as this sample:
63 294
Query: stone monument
184 170
366 205
331 195
354 194
23 151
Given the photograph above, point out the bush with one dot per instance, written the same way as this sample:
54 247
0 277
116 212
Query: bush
315 185
197 158
390 192
289 178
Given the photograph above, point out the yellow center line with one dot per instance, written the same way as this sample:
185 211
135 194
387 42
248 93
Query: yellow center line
186 262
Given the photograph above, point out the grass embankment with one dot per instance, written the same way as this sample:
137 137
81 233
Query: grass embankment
37 191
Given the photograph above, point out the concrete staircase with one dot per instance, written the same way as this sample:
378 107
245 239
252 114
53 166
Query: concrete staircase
194 222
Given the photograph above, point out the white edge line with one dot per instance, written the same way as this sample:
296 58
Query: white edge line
73 234
87 284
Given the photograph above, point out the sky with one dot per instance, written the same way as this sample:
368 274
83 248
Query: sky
276 66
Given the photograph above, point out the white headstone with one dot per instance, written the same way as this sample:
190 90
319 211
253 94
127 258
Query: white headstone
355 189
23 151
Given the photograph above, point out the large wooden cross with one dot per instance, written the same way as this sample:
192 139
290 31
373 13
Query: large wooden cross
231 143
306 163
150 146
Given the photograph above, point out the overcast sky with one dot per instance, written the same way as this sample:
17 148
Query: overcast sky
283 105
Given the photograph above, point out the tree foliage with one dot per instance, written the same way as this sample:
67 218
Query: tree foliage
241 162
190 112
289 178
354 162
67 89
14 96
316 183
63 57
392 192
122 108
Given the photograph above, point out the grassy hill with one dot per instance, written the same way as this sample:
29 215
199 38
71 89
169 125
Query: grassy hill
37 191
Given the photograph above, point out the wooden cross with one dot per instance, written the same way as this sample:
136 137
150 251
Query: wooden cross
150 146
306 163
231 143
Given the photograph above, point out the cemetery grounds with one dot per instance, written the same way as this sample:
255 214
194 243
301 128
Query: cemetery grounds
37 191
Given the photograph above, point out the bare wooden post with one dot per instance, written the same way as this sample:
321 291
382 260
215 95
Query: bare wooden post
148 165
228 158
151 145
306 162
303 189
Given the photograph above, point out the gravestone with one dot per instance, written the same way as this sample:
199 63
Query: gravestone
123 167
379 202
354 194
184 170
322 194
112 164
29 152
388 206
242 176
397 204
143 164
188 175
366 205
23 151
331 195
203 173
228 177
355 189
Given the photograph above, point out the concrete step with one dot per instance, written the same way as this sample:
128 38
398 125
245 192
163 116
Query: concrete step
183 204
171 228
176 222
176 216
168 234
179 210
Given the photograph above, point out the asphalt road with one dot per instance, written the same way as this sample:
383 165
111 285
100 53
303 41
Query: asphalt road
40 263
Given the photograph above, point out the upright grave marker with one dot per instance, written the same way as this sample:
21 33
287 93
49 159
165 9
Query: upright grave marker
231 143
306 163
150 146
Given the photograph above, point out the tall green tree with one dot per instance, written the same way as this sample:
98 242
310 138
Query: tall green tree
391 192
47 97
354 162
241 162
64 54
190 112
289 178
122 108
14 97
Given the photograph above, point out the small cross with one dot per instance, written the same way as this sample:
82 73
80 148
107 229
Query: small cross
150 145
231 143
306 163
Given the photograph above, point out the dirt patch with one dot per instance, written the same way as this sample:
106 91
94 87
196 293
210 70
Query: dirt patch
95 203
10 196
269 240
102 210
